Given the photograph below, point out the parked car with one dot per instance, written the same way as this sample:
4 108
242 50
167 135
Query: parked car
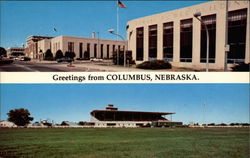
14 57
95 59
25 59
4 60
64 59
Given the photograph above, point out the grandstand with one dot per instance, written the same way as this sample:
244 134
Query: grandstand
112 117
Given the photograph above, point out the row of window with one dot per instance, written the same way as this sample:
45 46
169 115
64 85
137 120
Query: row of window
236 39
116 124
86 54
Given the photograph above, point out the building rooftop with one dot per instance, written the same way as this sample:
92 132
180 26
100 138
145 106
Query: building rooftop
111 108
113 114
138 112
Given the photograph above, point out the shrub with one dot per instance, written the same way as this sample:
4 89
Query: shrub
155 64
3 52
59 54
48 55
80 59
241 67
70 54
86 55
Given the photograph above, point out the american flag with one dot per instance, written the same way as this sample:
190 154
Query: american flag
120 4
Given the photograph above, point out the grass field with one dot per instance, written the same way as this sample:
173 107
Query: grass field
125 143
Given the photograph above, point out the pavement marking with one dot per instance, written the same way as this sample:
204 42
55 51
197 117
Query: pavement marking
25 67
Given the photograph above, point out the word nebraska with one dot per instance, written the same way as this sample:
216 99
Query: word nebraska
176 77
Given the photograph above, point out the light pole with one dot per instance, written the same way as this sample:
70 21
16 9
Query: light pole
97 56
226 38
196 15
113 32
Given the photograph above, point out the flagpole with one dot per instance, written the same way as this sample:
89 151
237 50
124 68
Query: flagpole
117 28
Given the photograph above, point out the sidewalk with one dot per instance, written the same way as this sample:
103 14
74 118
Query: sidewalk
88 66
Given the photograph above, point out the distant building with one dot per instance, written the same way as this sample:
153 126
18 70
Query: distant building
15 51
87 47
82 47
112 117
32 49
7 124
178 37
69 124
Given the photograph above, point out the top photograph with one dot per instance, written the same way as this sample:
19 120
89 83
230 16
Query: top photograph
124 36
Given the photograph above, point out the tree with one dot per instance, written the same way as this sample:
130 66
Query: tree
86 55
48 55
20 116
59 54
3 52
70 54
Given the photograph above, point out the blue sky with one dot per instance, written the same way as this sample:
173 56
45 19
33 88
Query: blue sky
224 102
74 18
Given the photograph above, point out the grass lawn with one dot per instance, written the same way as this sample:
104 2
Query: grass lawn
124 142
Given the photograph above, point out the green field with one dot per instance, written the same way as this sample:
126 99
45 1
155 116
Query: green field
129 143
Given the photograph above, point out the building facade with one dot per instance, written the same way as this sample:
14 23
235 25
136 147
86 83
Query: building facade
178 37
42 46
112 117
32 49
7 124
87 47
15 51
82 47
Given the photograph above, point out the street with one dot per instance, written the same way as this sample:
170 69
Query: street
31 66
52 66
77 66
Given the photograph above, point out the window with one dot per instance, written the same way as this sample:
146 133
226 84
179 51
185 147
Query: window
111 124
101 51
113 48
119 49
186 28
139 44
95 50
152 42
108 51
80 50
71 46
88 49
237 22
168 36
210 22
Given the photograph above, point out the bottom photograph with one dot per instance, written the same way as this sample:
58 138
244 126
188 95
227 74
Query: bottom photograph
124 120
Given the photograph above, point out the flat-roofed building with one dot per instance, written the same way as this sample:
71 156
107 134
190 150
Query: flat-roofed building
82 47
15 51
32 49
112 117
43 45
178 37
87 47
